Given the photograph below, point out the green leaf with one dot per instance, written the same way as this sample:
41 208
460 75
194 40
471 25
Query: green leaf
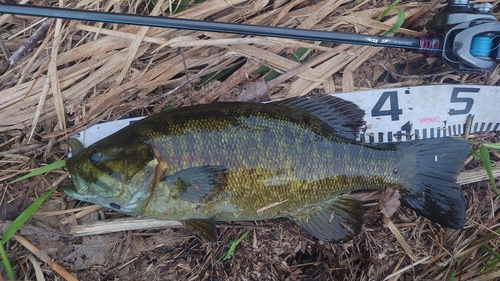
454 272
485 158
476 156
495 261
295 57
398 23
229 252
386 11
490 250
219 75
56 165
262 69
14 227
356 2
495 146
6 263
19 221
486 238
399 20
168 107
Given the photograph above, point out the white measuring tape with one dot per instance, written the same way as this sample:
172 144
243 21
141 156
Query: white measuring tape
425 112
397 114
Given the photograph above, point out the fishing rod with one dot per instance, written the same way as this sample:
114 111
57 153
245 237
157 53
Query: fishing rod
465 35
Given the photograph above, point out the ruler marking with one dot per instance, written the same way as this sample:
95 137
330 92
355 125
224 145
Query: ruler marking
489 126
420 113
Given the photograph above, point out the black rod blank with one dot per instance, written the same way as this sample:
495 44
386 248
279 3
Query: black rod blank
245 29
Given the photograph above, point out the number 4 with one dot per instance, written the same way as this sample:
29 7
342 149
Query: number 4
394 110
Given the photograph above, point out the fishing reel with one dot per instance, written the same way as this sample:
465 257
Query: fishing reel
471 36
466 35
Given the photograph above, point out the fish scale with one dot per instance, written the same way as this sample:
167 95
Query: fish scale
201 145
296 158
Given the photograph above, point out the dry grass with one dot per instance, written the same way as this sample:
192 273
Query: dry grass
77 74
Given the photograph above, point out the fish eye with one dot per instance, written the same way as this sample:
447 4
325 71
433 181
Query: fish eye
95 156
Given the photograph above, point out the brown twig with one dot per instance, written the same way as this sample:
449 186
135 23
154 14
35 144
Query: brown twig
29 44
45 257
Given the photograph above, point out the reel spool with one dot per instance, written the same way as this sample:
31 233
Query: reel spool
471 36
473 45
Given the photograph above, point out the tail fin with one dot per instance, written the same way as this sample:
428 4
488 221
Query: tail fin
433 192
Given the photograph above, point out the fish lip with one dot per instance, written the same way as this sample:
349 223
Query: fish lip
70 191
76 189
70 188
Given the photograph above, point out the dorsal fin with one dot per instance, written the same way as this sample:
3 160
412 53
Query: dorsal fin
343 116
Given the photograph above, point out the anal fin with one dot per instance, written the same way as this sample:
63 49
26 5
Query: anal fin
336 221
205 228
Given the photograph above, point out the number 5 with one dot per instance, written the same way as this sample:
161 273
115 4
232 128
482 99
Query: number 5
469 102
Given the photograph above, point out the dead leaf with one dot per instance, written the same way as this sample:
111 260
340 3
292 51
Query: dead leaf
95 250
253 92
389 203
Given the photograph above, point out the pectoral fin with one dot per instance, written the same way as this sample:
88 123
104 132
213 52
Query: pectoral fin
336 221
205 228
194 184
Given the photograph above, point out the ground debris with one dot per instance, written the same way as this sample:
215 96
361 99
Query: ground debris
103 76
389 203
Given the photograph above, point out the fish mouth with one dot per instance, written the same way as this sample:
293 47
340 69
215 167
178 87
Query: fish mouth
132 203
76 193
79 189
78 177
73 192
69 190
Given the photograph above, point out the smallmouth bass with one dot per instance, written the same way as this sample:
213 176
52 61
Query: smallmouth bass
295 158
